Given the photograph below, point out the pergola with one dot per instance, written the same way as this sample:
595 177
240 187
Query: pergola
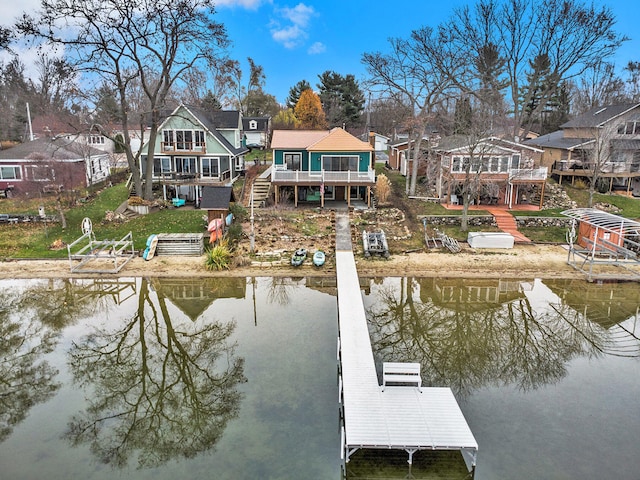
600 240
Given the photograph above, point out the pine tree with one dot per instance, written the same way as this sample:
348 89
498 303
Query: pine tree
295 92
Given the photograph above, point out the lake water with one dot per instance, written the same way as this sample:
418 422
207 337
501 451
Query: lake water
236 378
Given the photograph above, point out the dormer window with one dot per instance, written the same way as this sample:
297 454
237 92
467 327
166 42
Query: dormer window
253 125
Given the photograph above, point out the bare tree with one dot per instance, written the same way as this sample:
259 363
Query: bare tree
541 42
599 154
124 41
599 85
414 71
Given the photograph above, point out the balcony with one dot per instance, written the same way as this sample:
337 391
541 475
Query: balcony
183 147
293 177
528 174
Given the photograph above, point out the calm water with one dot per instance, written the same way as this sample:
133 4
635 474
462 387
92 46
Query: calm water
236 378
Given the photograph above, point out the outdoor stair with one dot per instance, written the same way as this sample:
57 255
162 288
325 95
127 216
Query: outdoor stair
507 223
261 188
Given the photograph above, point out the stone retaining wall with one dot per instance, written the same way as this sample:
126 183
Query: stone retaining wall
489 220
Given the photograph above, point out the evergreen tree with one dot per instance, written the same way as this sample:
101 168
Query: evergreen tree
210 102
462 117
342 99
295 92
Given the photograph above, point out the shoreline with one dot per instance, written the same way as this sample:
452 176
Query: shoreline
523 261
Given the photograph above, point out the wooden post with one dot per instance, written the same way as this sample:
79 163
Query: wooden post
542 195
276 192
295 195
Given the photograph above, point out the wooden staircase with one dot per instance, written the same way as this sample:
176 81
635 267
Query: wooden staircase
260 188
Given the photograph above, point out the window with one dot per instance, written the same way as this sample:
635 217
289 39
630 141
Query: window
253 125
185 165
515 161
629 128
39 173
96 140
457 164
185 140
161 166
211 167
340 163
199 143
292 161
10 173
168 140
504 164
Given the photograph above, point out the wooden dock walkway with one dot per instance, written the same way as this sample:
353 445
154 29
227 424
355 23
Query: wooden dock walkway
400 417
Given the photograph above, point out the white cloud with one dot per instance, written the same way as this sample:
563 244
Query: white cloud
293 32
248 4
299 15
316 48
10 11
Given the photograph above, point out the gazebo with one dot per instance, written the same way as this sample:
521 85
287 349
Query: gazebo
600 240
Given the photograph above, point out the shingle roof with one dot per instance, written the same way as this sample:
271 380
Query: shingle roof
59 149
262 124
340 140
557 140
296 138
216 198
598 116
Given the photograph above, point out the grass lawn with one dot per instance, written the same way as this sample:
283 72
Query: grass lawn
35 239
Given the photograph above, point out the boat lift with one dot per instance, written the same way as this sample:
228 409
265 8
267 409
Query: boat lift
100 256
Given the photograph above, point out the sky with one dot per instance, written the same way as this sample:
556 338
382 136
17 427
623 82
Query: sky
294 40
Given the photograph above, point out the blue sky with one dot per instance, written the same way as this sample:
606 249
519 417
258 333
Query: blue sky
296 40
300 40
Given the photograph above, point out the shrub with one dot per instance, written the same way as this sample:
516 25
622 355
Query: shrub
238 211
219 257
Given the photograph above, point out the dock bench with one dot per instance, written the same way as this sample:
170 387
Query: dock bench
401 372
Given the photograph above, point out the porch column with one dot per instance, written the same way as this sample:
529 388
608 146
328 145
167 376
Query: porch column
348 195
368 197
276 192
322 196
295 195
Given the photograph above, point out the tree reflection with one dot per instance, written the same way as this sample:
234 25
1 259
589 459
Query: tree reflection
159 392
467 343
25 378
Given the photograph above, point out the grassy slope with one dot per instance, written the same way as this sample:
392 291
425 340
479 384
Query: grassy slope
33 240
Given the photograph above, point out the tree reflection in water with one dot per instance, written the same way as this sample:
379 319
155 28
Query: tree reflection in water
468 334
25 378
157 391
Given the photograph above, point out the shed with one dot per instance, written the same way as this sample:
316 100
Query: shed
216 200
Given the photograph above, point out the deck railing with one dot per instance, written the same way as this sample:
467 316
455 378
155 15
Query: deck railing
322 176
528 174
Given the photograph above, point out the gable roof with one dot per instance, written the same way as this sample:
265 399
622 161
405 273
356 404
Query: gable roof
217 198
209 120
341 141
226 119
598 116
58 149
262 123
